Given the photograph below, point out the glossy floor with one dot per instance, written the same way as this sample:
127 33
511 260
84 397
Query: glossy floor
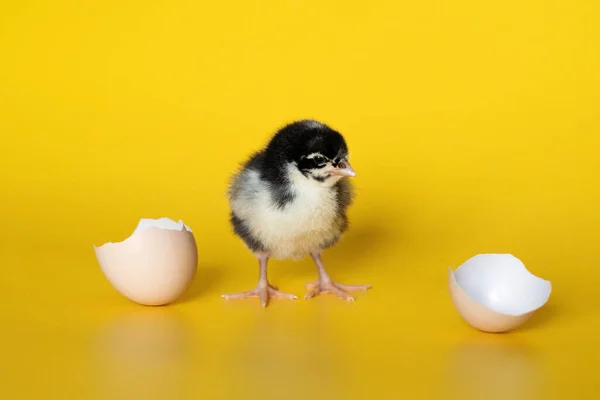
473 127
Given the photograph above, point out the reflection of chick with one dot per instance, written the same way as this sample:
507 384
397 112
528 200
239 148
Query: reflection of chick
290 200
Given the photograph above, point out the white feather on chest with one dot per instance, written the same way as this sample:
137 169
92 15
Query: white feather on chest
301 226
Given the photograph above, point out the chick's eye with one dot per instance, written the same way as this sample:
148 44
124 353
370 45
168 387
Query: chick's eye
319 160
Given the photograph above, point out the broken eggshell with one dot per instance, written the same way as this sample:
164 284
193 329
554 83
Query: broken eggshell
496 292
153 266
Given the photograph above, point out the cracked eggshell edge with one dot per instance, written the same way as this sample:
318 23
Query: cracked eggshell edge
178 226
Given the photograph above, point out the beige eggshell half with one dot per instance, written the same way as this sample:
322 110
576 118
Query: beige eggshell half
154 266
496 292
480 317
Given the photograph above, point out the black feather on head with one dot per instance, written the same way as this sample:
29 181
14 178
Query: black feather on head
295 141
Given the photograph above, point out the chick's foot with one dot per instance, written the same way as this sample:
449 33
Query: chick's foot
337 289
263 292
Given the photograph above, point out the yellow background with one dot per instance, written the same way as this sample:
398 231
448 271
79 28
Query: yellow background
474 127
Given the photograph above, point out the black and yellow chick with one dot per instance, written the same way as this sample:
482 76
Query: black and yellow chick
290 200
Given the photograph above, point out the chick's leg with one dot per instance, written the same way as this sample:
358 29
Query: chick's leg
325 285
264 291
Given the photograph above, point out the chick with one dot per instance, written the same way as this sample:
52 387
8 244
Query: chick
290 200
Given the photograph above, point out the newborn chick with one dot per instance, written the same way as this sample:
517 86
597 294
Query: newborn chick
289 200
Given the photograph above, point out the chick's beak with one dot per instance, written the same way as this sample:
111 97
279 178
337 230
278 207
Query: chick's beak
343 169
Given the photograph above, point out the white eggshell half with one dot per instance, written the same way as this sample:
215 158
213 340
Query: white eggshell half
496 292
155 265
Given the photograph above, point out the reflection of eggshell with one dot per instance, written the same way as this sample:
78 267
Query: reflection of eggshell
496 293
142 355
496 369
155 265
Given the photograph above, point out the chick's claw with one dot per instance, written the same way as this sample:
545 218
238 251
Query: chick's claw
337 289
264 293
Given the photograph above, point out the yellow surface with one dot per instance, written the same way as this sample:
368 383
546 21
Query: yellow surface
474 127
